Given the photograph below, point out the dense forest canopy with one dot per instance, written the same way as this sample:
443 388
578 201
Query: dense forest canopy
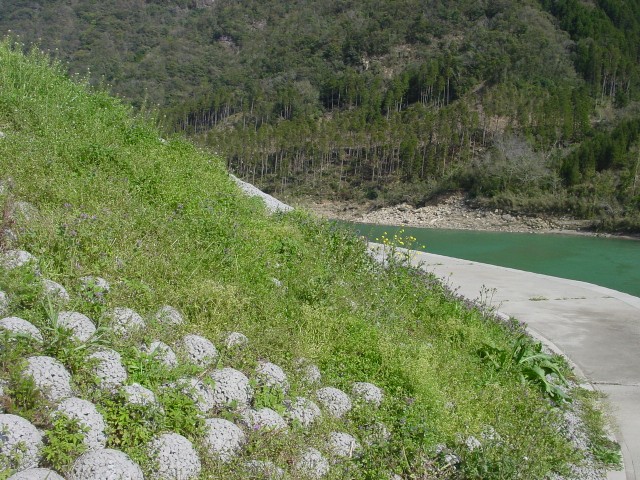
529 105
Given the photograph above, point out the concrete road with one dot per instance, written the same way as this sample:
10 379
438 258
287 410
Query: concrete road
598 329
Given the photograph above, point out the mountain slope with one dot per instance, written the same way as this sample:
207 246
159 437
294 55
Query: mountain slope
374 100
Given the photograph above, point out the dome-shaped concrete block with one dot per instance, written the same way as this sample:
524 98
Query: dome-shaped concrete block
312 464
81 326
124 321
87 416
94 289
263 420
271 375
105 464
10 237
162 352
24 212
167 315
109 369
342 445
136 394
19 326
174 458
309 372
20 442
3 385
367 393
335 401
36 474
198 350
12 259
231 386
376 433
264 470
303 411
50 376
200 392
236 340
223 440
4 303
6 184
55 291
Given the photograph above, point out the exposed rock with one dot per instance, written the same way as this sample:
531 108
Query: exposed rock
81 326
271 375
50 376
231 386
55 291
87 415
367 392
18 326
20 442
105 464
303 411
168 315
223 439
125 321
198 350
174 457
109 369
312 464
335 401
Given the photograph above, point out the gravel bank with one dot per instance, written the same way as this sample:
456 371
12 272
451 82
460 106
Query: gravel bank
453 212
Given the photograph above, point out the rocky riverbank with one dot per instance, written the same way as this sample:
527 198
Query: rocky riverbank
453 212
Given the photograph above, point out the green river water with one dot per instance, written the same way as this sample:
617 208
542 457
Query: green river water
604 261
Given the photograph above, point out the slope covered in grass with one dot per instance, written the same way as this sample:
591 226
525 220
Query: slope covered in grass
164 224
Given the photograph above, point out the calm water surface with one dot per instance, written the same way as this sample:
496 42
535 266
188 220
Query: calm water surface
609 262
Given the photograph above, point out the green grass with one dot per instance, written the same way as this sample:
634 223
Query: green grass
164 224
605 449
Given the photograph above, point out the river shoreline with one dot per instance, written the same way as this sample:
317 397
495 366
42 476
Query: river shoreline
456 213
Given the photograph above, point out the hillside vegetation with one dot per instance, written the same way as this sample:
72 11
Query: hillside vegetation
531 106
164 224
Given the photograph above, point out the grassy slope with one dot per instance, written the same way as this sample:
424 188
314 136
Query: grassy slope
165 225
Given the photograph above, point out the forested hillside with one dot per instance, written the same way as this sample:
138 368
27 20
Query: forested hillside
530 105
